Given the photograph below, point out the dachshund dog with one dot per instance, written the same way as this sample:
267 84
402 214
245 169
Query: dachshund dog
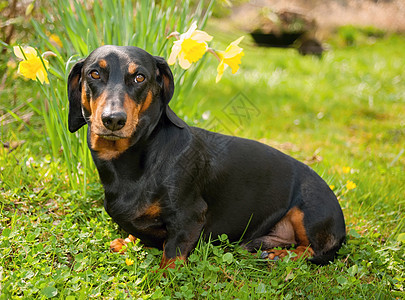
168 183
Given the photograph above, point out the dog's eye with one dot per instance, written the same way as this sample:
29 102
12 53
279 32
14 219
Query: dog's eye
95 75
139 78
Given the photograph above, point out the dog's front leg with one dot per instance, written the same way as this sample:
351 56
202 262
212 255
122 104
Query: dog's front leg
184 228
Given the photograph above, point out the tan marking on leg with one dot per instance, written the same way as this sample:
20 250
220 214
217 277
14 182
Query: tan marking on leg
132 67
301 251
153 210
296 217
170 263
295 221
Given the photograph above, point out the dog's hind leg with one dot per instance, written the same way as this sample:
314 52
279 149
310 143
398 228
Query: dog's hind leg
289 231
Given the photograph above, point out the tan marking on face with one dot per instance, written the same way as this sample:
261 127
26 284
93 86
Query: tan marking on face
132 109
96 109
106 149
111 149
147 102
102 63
85 101
132 67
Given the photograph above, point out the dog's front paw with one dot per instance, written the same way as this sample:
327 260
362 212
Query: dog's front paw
117 244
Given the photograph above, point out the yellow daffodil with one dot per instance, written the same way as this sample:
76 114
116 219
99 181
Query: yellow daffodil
190 47
31 65
129 262
231 57
350 185
346 170
55 40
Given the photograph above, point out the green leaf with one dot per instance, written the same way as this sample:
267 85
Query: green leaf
228 258
354 234
261 288
342 280
353 270
401 237
223 237
6 232
49 292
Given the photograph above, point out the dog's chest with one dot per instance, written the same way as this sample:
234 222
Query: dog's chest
138 211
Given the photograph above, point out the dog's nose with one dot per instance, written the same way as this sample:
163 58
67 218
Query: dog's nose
114 121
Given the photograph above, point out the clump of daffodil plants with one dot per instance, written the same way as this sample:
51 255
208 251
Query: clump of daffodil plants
59 34
188 48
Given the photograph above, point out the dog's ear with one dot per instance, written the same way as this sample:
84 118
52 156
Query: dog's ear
166 82
165 79
75 117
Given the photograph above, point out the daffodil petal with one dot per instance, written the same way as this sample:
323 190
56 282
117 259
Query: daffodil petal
233 49
201 36
236 42
30 52
46 63
42 75
220 69
18 53
184 63
175 52
232 53
189 32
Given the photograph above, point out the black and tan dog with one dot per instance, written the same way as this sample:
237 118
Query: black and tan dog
166 182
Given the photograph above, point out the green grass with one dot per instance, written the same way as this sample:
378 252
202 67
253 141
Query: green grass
345 110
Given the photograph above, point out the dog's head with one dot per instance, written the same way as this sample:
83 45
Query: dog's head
121 93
